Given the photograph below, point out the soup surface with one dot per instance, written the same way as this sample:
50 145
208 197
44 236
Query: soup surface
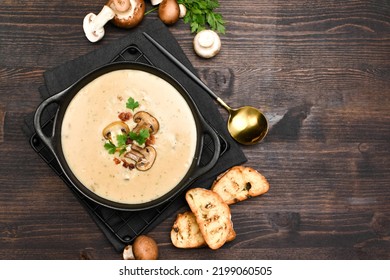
98 104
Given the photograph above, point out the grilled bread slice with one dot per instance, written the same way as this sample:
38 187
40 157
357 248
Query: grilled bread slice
212 215
185 232
240 183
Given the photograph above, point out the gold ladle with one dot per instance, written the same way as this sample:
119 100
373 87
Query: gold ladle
247 125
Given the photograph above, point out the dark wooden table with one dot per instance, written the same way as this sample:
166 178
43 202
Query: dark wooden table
320 70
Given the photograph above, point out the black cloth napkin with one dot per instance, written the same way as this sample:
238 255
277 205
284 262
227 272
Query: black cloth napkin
64 75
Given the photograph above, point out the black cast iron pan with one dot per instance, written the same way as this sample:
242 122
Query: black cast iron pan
62 100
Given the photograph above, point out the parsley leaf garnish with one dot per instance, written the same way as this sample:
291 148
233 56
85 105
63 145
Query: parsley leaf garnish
110 147
132 104
200 14
140 137
121 139
122 142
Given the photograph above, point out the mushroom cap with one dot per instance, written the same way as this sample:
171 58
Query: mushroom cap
169 11
207 43
145 248
127 18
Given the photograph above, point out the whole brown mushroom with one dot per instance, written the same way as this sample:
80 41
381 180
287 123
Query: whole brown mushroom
128 13
169 11
143 248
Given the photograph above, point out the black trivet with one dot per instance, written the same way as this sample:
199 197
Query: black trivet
124 226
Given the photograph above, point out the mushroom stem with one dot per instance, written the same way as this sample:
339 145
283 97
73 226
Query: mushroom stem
128 253
93 25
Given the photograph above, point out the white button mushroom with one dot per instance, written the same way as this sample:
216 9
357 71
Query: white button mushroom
207 43
183 10
143 248
93 25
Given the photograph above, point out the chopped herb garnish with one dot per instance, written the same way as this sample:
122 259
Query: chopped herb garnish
140 137
132 104
121 139
121 142
110 147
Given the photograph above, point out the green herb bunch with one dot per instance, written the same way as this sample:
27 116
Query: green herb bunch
200 14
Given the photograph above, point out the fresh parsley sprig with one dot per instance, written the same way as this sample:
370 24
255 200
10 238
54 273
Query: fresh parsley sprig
132 104
110 147
200 14
140 137
120 147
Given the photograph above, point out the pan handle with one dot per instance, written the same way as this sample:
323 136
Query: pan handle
48 140
208 130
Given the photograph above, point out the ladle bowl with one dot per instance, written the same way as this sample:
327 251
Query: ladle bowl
247 125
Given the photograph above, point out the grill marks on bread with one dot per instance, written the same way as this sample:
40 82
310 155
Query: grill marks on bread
185 232
212 215
240 183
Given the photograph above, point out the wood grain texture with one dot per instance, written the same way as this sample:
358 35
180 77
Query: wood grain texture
320 71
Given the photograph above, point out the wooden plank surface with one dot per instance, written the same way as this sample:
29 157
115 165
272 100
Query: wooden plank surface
319 70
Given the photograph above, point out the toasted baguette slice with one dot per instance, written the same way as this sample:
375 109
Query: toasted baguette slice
240 183
185 232
212 215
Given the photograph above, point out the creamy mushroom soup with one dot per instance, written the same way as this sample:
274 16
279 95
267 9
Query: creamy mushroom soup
98 104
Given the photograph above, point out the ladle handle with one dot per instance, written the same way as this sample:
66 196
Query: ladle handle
186 70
